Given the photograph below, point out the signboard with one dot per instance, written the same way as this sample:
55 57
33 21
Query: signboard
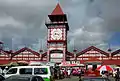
73 62
56 60
56 55
56 51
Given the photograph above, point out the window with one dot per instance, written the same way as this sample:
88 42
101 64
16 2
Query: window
25 71
40 71
56 51
12 71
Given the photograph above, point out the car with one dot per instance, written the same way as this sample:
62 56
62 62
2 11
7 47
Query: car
24 78
94 79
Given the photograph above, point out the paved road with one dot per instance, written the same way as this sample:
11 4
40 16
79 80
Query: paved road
75 78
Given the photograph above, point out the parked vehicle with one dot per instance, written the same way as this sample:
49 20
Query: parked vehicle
24 78
46 72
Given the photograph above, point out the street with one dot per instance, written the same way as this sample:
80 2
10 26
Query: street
73 78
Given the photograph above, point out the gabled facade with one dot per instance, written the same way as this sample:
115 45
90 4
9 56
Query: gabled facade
44 56
92 53
26 54
70 56
5 56
116 55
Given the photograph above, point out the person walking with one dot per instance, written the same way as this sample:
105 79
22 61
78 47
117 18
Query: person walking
117 75
66 73
69 72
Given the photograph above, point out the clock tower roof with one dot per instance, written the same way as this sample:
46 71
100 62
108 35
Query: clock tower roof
56 16
57 10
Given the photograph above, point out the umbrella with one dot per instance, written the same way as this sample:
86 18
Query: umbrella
105 68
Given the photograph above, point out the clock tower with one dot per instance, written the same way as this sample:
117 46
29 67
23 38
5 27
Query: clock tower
57 26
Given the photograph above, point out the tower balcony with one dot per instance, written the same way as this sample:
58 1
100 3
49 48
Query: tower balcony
57 24
56 41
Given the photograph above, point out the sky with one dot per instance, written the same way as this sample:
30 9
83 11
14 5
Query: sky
91 23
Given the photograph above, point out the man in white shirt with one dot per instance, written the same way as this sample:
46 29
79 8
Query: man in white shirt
69 72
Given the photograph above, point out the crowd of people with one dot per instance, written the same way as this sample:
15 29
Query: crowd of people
66 72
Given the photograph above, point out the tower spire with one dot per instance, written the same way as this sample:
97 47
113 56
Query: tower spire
57 10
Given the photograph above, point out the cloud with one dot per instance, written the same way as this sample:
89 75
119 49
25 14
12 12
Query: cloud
22 20
91 22
9 21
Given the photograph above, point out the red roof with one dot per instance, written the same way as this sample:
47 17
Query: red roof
5 52
70 54
2 62
25 48
44 54
115 52
57 10
93 48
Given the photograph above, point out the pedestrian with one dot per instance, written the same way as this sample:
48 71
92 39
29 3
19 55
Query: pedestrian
55 73
117 75
65 72
69 72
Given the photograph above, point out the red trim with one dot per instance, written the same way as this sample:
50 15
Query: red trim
23 49
94 48
92 57
4 61
115 52
56 41
70 54
43 55
6 52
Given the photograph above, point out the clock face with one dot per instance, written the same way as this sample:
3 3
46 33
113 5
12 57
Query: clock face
56 34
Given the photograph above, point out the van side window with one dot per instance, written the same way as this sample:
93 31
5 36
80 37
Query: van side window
12 71
25 71
40 71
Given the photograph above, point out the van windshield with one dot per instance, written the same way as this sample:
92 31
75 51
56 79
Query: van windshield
40 71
